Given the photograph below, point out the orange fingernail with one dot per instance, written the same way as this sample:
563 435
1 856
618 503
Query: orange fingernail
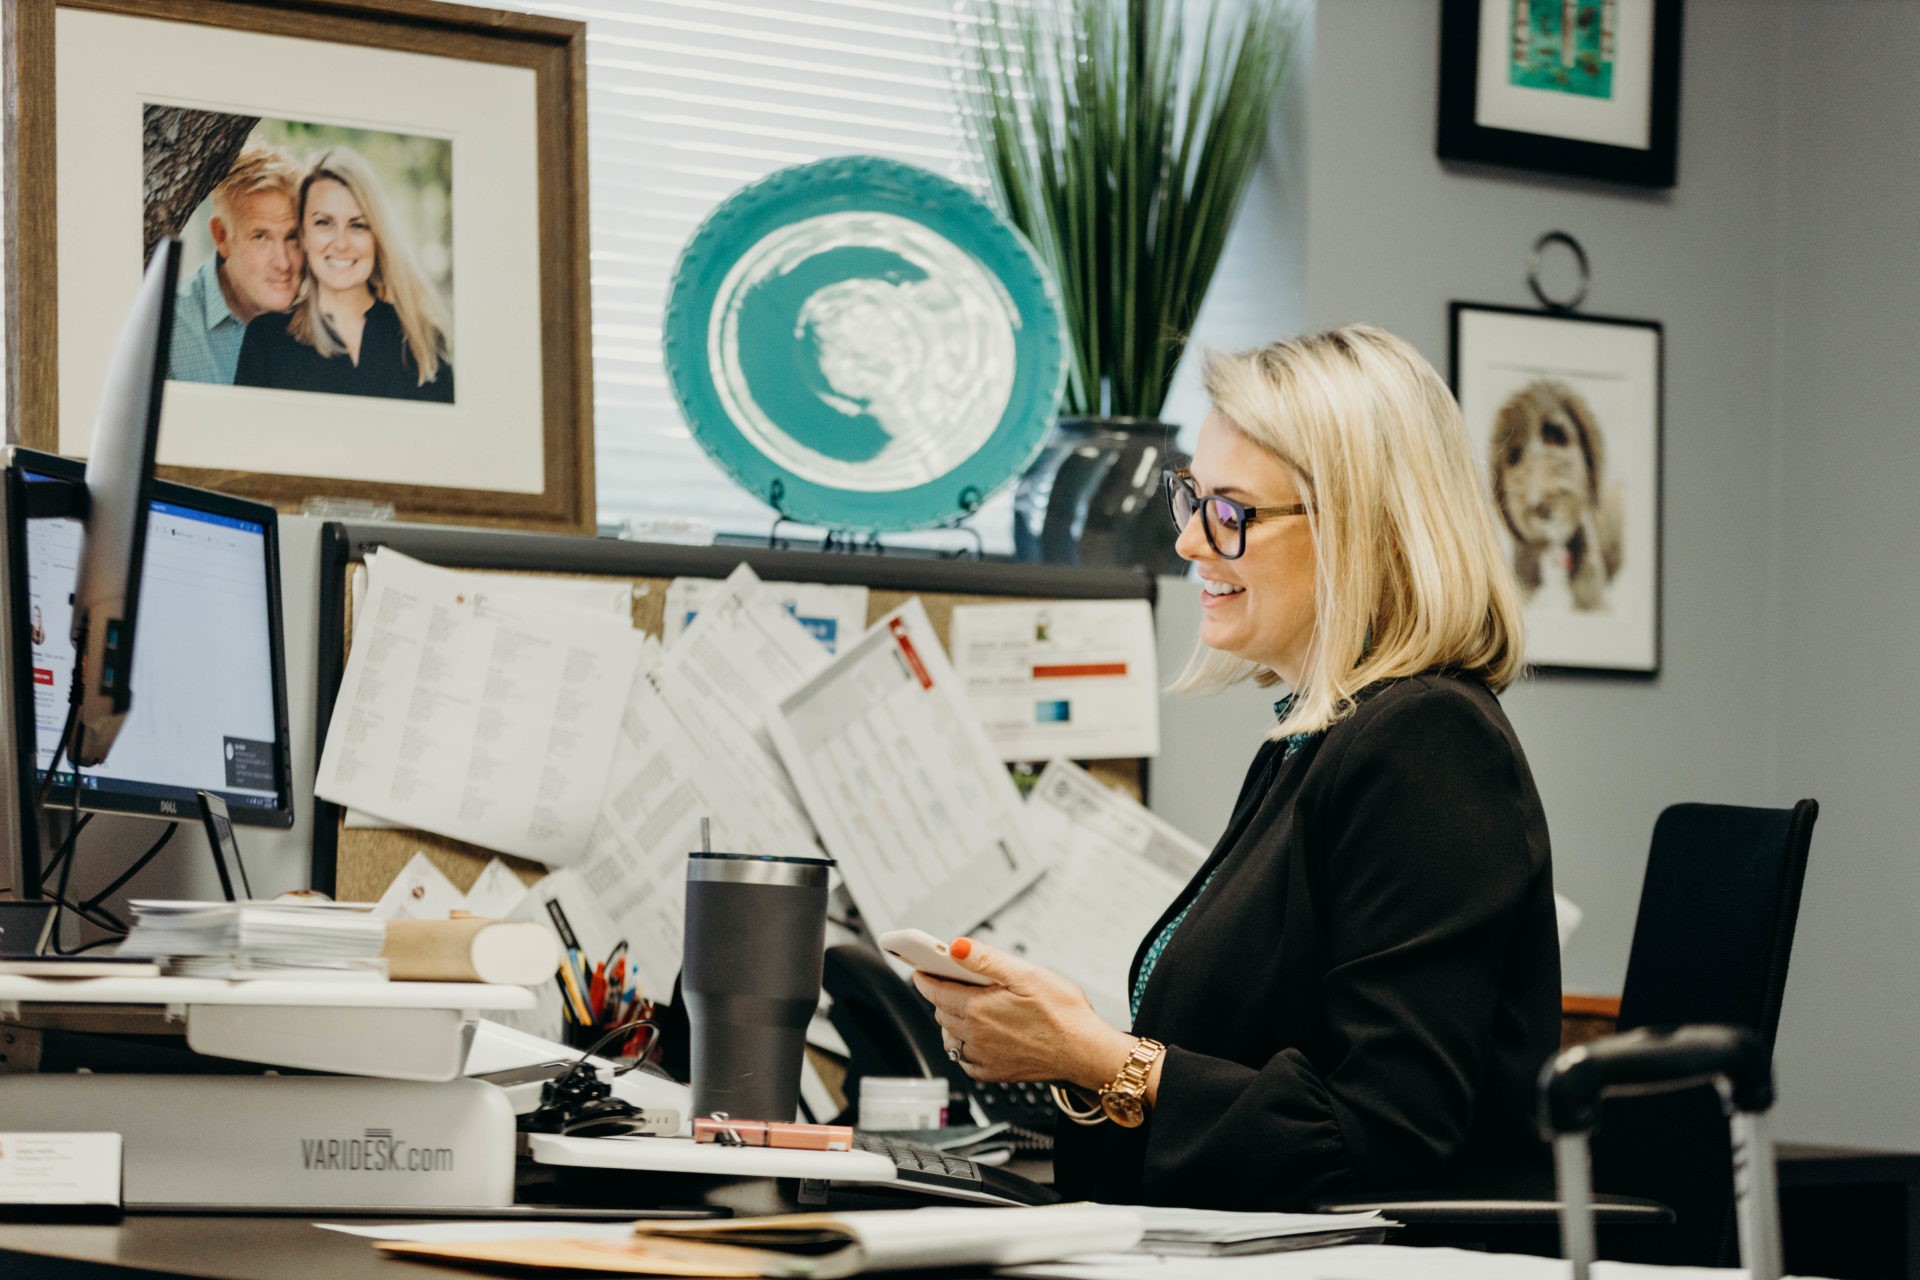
960 948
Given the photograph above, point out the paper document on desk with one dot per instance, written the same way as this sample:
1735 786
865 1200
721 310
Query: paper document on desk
1223 1233
1113 867
594 601
1066 679
1353 1262
485 725
823 1245
835 616
906 790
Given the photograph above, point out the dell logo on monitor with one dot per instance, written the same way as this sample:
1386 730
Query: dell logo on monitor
170 806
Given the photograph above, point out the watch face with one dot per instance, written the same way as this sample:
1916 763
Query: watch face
1123 1109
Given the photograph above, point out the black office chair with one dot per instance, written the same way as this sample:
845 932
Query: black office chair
1710 945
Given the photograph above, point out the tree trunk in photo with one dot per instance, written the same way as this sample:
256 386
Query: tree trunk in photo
187 153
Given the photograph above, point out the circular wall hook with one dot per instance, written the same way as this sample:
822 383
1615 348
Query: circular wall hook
1533 271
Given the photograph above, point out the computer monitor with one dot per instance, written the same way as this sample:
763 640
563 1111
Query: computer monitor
126 435
210 667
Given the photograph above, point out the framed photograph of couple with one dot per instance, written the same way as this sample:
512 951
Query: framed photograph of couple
382 207
1583 87
1564 413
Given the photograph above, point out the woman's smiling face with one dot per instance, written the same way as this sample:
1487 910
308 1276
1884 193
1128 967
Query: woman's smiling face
1260 606
334 232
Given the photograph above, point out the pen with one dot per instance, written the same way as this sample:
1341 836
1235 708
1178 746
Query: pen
597 993
616 998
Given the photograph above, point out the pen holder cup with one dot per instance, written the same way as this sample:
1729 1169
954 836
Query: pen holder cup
755 942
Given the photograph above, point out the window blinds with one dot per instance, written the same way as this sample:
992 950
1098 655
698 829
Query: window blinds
689 100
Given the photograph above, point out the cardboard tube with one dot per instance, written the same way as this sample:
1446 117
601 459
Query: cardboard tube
471 949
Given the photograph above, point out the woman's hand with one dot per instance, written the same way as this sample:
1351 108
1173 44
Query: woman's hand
1032 1024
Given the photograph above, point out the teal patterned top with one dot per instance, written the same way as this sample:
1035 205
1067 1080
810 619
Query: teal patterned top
1152 958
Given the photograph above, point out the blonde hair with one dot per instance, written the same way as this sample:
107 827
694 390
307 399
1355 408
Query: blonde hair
395 281
255 170
1410 574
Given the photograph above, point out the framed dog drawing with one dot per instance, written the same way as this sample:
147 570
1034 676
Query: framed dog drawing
1564 411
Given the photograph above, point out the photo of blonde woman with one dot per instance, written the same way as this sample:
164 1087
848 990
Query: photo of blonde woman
364 321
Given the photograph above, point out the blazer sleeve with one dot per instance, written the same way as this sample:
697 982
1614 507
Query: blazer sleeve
1426 860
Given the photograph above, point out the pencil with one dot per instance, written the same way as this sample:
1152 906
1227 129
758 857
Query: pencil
575 1000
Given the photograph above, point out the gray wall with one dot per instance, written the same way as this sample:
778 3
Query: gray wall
1784 271
1848 382
1394 236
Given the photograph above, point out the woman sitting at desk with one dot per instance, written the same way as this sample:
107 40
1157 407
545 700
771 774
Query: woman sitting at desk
365 321
1359 986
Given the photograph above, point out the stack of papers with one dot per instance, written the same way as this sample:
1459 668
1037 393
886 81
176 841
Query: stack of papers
819 1245
258 939
1218 1233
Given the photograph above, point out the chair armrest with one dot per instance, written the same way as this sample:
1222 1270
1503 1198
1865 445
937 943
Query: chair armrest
1452 1208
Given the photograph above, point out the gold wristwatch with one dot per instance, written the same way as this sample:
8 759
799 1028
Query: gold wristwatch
1124 1097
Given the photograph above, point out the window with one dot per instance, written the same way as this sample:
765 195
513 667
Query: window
689 100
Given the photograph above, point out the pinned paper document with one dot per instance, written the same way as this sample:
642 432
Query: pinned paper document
488 726
664 778
495 892
592 597
421 891
728 672
833 615
1114 869
903 785
1072 679
587 601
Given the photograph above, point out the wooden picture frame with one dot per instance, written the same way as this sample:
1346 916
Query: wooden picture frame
1563 411
1608 108
502 96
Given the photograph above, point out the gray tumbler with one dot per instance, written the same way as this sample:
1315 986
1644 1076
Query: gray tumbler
756 939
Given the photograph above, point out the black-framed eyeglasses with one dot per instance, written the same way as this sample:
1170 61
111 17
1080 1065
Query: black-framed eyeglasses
1223 520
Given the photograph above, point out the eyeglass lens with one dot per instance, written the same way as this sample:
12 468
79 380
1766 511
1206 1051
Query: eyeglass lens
1222 519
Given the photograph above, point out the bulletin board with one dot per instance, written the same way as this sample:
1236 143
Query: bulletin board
358 863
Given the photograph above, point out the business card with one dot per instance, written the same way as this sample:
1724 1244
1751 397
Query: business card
59 1168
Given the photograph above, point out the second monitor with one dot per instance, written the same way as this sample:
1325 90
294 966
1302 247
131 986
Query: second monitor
209 677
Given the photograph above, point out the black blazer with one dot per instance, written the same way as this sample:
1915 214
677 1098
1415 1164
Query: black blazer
1365 993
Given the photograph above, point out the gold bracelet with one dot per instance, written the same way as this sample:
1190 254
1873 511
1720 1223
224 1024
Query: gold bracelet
1079 1115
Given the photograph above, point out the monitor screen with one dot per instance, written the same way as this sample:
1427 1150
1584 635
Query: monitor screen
209 678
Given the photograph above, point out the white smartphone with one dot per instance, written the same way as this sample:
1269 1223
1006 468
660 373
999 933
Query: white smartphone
929 955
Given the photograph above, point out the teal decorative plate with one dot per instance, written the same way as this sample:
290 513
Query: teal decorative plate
865 345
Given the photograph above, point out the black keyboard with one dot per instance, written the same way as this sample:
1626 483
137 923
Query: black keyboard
921 1164
934 1171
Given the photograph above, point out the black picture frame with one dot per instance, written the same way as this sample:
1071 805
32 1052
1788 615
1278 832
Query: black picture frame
1464 133
1564 412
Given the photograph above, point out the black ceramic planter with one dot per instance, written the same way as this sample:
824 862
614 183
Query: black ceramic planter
1094 496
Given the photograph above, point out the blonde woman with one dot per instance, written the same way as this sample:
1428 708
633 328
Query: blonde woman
365 321
1358 988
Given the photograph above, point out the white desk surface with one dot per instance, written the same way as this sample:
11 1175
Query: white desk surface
264 991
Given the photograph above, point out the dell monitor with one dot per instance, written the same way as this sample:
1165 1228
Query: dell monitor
210 669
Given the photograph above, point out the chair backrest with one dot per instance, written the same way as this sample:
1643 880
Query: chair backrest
1711 943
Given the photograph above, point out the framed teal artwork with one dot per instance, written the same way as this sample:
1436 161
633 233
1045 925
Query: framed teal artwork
864 345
